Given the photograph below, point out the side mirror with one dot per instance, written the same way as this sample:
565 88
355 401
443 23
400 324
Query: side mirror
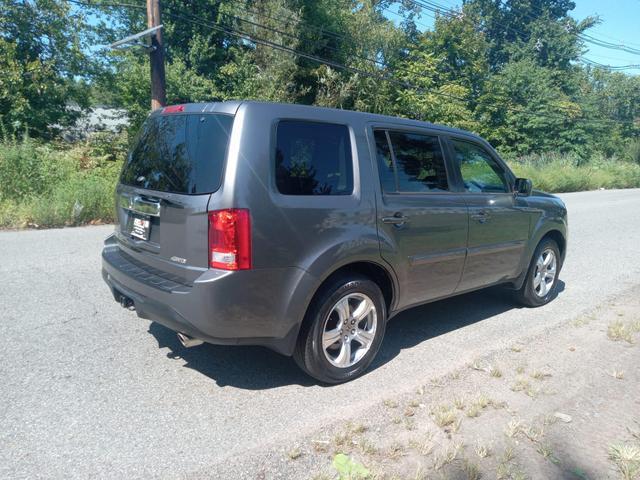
523 186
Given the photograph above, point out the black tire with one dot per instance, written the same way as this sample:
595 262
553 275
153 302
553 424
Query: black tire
527 295
309 353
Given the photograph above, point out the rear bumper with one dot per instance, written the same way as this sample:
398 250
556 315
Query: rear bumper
253 307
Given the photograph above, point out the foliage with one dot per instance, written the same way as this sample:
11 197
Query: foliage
43 63
349 469
58 185
570 173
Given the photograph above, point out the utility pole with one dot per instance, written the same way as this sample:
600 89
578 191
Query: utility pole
156 56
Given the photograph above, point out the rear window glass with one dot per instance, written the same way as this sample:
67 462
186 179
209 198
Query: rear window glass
179 153
313 158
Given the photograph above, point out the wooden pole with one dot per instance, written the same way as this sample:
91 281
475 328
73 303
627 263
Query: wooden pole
158 85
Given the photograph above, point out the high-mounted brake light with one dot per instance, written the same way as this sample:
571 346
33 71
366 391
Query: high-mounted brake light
230 239
173 109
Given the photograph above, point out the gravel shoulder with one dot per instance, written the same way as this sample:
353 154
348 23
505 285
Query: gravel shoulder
562 404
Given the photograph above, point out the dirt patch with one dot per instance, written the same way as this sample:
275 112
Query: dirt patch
564 404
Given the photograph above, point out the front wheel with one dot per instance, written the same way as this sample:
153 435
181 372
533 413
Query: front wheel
541 283
343 330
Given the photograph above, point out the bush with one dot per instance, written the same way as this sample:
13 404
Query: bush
27 169
565 173
57 185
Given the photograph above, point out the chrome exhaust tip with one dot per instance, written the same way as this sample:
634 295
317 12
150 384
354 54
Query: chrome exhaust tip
188 341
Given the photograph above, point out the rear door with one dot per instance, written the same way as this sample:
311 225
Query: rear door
175 165
422 223
498 225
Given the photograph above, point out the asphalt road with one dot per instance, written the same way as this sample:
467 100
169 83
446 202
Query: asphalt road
88 390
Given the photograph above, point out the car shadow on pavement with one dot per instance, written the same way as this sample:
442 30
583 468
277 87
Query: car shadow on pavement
258 368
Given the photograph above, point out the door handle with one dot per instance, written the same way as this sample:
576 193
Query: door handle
482 216
397 219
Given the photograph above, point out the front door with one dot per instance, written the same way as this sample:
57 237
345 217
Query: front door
422 224
498 226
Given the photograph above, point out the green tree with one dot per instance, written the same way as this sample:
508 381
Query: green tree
44 65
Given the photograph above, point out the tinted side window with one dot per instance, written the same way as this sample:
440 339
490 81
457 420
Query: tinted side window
480 172
313 158
419 163
385 162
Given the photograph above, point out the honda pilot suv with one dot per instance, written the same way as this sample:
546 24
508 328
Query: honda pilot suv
306 229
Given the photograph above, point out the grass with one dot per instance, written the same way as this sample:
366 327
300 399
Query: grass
447 456
425 445
524 385
472 471
55 185
540 375
482 450
620 331
626 458
547 452
564 173
444 416
294 453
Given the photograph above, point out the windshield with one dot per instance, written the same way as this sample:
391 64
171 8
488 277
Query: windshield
179 153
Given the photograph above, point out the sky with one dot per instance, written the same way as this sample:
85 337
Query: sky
620 24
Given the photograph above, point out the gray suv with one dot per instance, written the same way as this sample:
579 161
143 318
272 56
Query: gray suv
305 229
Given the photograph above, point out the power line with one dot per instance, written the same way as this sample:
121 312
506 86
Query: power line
377 76
453 13
380 76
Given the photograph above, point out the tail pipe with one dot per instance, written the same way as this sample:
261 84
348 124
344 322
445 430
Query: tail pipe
188 341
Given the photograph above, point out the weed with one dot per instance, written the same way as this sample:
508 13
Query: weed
620 331
472 471
294 453
390 403
423 446
508 455
516 348
540 375
495 372
444 416
547 452
513 428
349 469
458 402
367 447
473 411
447 456
343 439
409 423
396 450
626 458
523 385
482 450
321 446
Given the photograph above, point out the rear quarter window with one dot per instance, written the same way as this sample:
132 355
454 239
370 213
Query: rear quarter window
313 158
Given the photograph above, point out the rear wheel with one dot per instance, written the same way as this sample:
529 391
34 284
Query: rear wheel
541 283
343 330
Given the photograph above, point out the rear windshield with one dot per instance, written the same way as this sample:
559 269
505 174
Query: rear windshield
179 153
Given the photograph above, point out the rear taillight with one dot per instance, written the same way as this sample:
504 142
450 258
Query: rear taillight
230 239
